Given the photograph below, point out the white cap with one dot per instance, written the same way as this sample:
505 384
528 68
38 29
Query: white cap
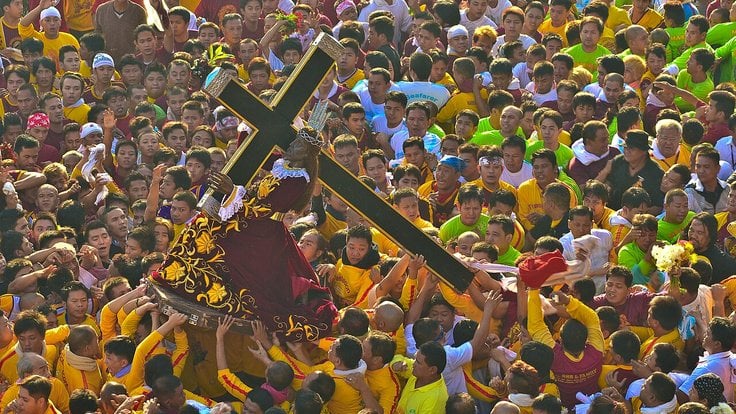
89 128
457 30
50 12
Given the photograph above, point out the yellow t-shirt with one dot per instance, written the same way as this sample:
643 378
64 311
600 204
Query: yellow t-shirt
50 46
546 27
77 114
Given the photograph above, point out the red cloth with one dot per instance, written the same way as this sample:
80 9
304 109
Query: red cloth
250 267
535 270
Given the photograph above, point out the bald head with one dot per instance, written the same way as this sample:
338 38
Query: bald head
388 317
80 337
505 407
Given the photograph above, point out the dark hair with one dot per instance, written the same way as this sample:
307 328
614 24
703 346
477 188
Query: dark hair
448 11
82 401
723 331
538 355
667 358
585 288
308 401
701 22
121 346
349 349
354 321
626 344
667 311
663 387
11 241
548 402
435 355
609 318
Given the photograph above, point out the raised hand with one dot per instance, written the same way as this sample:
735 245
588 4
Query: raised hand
559 299
223 326
108 119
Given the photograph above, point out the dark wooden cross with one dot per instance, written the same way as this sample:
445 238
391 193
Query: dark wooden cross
273 127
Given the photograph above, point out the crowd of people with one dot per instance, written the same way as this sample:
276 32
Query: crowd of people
555 149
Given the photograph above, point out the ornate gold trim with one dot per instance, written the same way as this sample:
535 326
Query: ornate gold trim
219 83
329 45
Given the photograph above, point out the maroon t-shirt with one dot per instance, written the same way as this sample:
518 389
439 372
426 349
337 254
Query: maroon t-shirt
635 308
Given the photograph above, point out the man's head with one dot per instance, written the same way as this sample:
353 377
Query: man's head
470 202
675 206
669 136
26 150
51 22
703 231
346 352
33 394
72 87
646 224
429 361
544 167
183 207
720 106
720 336
119 352
657 390
618 281
696 30
76 297
30 329
500 231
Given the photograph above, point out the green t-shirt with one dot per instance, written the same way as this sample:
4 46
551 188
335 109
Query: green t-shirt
492 137
676 43
509 258
563 153
587 60
681 60
701 90
435 129
670 232
484 125
454 227
720 34
727 54
572 184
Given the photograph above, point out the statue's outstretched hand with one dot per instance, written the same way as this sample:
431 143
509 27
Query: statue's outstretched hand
220 182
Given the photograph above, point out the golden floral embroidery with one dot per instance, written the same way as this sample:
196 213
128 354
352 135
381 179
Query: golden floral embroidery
266 186
216 293
205 243
174 271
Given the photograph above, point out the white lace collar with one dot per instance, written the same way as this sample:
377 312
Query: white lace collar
281 169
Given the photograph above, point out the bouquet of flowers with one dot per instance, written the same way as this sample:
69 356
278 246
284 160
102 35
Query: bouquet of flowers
670 258
292 21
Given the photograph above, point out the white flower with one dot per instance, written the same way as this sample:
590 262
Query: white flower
667 257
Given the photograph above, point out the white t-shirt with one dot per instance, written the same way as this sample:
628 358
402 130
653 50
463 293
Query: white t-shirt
526 42
522 73
431 143
516 178
425 91
471 26
495 13
455 357
371 109
540 98
379 124
399 9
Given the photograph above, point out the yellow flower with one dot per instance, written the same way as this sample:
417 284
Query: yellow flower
216 293
174 271
205 243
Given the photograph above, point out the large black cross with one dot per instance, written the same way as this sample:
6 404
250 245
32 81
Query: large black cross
273 127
